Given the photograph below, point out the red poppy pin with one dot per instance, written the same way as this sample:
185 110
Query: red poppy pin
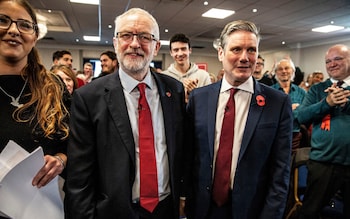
168 94
260 100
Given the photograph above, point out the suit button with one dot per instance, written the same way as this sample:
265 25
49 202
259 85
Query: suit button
208 188
211 166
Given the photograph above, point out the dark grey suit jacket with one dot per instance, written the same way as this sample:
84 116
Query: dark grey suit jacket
101 149
262 177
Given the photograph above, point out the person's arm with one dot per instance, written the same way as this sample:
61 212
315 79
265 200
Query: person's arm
54 165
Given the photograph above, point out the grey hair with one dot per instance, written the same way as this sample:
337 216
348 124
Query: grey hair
237 26
137 11
291 64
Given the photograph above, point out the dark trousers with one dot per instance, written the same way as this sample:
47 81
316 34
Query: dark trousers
164 209
323 181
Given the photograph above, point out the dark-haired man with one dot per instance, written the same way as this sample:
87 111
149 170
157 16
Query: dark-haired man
109 63
182 69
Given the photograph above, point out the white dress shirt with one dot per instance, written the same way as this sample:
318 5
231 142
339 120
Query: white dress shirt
242 102
132 94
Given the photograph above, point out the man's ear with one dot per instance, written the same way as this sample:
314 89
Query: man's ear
220 53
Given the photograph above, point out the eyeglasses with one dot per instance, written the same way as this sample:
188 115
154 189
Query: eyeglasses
141 37
23 26
259 63
336 59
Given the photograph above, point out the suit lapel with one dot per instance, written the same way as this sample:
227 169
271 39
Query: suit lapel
166 97
212 102
253 117
115 100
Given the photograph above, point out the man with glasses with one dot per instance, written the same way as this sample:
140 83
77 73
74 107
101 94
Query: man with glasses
126 143
266 78
326 106
259 67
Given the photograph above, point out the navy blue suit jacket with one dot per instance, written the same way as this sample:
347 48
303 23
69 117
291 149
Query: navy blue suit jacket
101 154
262 177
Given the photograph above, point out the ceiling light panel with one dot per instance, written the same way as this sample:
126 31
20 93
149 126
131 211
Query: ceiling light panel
218 13
327 28
90 2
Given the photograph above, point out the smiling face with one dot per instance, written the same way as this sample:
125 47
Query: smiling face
284 71
135 56
239 56
14 45
338 62
108 65
181 53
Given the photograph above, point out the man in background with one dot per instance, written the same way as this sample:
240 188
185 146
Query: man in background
88 73
109 63
326 106
265 78
285 73
182 69
258 72
64 57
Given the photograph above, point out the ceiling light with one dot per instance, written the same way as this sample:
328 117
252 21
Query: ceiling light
164 42
255 10
91 38
90 2
205 3
327 28
218 13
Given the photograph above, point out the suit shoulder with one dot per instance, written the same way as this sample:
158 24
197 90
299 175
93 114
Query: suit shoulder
204 90
98 85
168 80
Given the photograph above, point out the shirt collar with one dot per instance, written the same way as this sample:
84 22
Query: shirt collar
129 83
346 81
247 86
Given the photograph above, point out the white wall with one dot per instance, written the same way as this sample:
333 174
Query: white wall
309 59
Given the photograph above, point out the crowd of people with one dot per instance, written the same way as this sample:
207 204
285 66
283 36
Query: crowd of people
133 143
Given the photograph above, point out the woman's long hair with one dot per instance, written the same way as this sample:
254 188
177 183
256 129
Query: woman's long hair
45 106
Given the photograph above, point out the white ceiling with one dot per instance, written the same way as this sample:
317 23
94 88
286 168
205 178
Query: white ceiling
279 20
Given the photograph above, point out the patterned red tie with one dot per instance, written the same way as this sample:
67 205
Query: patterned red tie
148 169
221 184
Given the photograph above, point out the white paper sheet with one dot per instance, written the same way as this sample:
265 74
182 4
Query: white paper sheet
18 198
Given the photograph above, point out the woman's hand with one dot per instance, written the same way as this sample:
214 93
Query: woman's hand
52 167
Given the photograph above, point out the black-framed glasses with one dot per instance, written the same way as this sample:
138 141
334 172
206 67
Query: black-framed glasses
141 37
23 26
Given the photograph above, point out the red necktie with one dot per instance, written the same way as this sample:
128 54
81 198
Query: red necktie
221 184
148 169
